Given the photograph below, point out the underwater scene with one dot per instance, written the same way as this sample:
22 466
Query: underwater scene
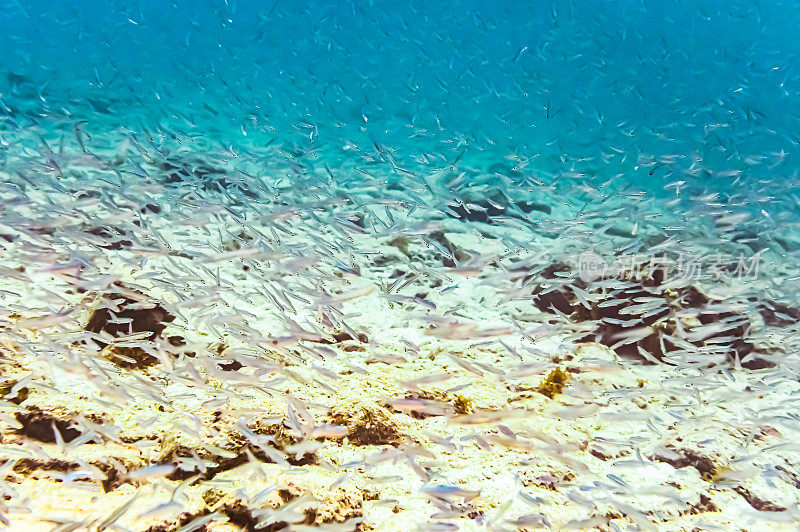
399 266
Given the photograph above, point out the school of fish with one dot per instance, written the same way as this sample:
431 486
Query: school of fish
375 267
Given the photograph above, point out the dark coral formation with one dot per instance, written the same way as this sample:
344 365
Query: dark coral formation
125 310
618 312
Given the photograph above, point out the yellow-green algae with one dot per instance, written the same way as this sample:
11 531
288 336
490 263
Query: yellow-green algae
553 384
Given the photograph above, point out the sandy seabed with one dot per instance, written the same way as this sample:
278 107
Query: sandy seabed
201 349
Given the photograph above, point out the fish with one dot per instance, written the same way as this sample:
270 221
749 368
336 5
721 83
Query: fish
284 203
447 491
154 471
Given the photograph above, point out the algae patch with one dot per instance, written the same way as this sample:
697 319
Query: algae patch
463 405
553 384
367 426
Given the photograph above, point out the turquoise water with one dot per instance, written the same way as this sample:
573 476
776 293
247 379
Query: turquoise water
645 93
395 257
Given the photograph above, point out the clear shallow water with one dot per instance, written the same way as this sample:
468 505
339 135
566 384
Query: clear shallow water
600 89
417 225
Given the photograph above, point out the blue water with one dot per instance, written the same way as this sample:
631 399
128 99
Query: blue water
596 89
405 177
